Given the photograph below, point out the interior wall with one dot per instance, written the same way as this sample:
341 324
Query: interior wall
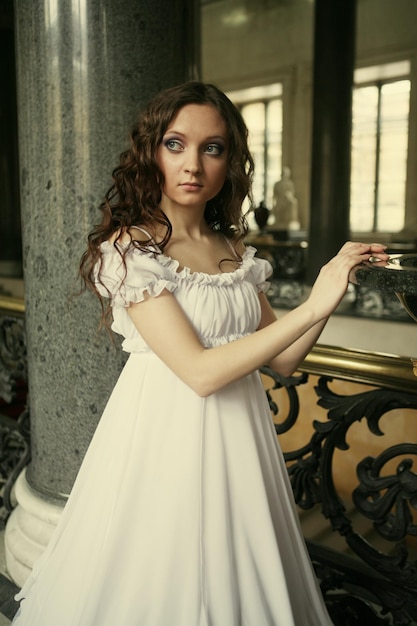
243 46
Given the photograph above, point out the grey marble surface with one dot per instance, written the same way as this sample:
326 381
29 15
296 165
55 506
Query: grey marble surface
84 69
399 275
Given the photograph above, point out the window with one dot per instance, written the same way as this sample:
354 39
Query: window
261 108
381 100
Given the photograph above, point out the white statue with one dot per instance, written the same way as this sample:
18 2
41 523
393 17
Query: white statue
285 203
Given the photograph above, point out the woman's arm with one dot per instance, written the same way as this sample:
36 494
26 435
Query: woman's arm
168 332
288 360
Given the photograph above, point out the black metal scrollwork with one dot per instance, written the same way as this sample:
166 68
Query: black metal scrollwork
14 414
380 588
342 413
377 495
12 350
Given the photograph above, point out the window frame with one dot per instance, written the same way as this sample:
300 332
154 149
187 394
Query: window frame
385 77
264 93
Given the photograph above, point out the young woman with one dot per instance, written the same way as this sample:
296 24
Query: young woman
182 513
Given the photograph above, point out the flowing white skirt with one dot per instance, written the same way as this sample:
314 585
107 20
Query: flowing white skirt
181 515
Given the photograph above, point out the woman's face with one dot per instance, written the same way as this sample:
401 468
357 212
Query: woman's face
193 157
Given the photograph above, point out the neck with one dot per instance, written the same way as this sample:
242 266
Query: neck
186 221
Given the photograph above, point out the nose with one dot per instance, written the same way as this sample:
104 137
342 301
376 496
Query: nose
192 163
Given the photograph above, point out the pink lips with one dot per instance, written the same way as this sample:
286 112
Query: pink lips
190 186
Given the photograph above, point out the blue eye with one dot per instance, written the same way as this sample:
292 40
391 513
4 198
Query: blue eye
174 145
214 149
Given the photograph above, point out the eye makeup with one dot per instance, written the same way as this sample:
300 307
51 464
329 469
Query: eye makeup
177 144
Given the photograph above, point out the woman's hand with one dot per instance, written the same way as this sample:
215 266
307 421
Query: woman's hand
332 281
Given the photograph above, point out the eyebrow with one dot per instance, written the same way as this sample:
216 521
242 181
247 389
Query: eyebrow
211 138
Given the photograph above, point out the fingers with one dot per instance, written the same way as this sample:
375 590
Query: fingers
333 278
379 252
367 251
371 254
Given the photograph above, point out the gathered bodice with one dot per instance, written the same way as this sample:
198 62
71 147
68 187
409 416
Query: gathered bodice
221 307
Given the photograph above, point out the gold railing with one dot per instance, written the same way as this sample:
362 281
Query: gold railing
371 368
9 304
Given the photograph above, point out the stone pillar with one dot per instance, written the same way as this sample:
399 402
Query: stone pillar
84 69
334 53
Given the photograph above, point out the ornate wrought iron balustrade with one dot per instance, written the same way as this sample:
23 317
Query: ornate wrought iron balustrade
14 414
372 584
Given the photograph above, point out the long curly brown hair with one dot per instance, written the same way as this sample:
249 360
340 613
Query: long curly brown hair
134 197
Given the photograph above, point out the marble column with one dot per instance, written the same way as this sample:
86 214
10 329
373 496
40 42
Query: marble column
334 52
83 71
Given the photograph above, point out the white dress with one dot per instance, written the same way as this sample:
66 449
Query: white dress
182 513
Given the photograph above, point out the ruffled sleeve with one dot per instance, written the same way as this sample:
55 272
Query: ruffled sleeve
260 271
127 283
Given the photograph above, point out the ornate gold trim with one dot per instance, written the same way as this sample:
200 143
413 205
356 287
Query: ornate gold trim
12 305
374 368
